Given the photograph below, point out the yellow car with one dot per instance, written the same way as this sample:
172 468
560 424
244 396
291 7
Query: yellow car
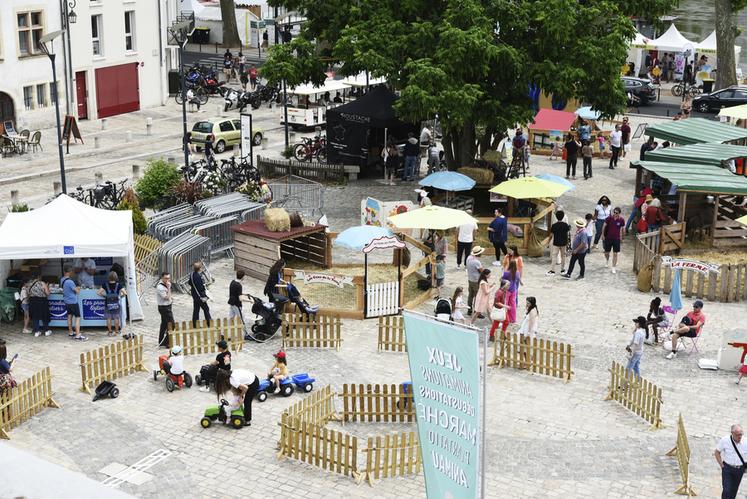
222 132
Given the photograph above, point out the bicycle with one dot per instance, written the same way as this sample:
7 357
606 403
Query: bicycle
310 148
680 88
198 92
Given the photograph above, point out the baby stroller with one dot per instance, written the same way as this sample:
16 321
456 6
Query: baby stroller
295 297
268 321
443 309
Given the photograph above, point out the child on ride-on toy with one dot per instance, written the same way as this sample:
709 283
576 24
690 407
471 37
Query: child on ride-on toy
173 364
279 370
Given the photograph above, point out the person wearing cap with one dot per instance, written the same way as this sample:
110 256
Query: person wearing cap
635 347
731 454
474 266
279 370
222 361
423 199
579 245
689 327
465 238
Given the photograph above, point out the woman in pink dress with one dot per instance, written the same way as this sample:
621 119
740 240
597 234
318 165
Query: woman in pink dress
483 300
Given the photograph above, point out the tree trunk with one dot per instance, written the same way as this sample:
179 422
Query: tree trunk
726 33
460 147
230 29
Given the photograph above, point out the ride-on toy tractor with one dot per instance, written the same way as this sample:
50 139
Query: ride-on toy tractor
172 380
218 412
301 381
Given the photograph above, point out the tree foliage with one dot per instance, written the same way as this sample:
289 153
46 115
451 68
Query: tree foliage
155 189
469 61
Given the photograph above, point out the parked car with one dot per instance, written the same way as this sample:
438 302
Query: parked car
222 132
639 87
732 96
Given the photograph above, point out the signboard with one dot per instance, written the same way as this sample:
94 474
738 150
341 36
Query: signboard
683 263
383 242
444 365
314 278
247 148
375 212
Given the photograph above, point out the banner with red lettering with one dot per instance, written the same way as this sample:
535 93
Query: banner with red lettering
683 263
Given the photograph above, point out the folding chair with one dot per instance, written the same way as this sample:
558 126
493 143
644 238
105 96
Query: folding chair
693 342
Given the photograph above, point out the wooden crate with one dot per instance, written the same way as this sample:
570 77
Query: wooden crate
392 334
377 403
110 362
315 331
681 451
537 355
26 400
202 338
392 456
637 394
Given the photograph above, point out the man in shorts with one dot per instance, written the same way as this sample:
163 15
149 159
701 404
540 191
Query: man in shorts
689 327
613 231
70 292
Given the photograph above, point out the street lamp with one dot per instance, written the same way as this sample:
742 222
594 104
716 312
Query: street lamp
46 46
68 17
180 32
72 16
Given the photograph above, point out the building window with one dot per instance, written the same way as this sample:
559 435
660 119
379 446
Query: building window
28 98
96 33
130 30
30 30
41 95
53 91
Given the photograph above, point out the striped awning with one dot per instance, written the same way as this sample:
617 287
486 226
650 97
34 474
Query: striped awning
696 131
706 179
708 154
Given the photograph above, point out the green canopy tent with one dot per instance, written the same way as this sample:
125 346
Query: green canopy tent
707 154
696 131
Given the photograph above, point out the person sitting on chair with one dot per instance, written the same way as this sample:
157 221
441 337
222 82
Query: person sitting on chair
689 327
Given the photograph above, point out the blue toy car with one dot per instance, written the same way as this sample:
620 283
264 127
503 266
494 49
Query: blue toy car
301 381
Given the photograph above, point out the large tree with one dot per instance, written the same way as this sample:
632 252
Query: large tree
471 62
726 34
230 29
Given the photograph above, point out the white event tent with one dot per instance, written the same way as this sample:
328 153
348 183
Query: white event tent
671 41
65 229
708 46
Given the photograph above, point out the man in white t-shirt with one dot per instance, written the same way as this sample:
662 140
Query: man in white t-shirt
248 383
616 143
465 239
730 454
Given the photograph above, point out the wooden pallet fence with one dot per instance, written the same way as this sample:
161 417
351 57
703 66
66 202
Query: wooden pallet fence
681 451
537 355
318 446
26 400
314 331
110 362
637 394
392 456
377 404
392 334
729 285
145 246
202 338
318 408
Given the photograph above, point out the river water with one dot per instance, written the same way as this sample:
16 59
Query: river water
695 20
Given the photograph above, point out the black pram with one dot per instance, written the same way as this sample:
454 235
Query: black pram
443 309
295 297
269 320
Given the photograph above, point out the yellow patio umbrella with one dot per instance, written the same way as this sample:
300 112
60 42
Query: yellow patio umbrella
431 217
530 187
742 220
737 112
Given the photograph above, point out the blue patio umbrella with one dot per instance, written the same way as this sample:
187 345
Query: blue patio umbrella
587 113
675 296
355 238
558 180
448 181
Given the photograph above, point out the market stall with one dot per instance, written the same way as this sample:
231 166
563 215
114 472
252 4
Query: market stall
309 107
65 231
549 125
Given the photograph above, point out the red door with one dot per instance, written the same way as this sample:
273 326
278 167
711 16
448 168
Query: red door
117 90
81 95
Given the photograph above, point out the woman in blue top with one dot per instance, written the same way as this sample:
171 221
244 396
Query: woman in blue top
513 276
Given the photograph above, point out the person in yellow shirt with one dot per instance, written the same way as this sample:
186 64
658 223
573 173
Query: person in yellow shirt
279 370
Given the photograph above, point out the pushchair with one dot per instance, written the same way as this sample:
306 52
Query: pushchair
443 309
295 297
268 321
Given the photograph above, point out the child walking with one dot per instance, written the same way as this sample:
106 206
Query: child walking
24 297
557 149
587 152
440 273
459 305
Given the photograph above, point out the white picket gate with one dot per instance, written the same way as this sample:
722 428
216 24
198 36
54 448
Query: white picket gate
382 299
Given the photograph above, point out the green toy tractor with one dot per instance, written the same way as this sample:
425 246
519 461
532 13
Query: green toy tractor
213 412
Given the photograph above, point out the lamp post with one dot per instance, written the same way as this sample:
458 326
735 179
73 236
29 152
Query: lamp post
46 46
180 32
69 17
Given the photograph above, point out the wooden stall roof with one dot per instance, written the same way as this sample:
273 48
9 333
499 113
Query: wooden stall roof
257 228
550 119
707 179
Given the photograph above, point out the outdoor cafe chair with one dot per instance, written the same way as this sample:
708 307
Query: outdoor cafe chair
7 146
10 130
25 134
35 141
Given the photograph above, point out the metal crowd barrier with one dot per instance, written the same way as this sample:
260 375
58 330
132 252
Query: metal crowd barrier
169 229
220 234
179 254
167 214
298 194
229 205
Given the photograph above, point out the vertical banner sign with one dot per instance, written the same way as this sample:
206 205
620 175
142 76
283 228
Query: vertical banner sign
444 365
246 135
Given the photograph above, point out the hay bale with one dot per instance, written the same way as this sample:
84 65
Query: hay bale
482 176
277 220
296 220
492 157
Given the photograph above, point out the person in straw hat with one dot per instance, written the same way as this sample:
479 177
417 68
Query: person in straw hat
579 245
474 267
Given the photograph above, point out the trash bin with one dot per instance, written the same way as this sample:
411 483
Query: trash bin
173 82
201 36
708 85
8 304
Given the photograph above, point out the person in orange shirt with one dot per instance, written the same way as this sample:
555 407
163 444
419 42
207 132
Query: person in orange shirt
689 326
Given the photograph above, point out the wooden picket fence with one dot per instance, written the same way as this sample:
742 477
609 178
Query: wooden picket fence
636 394
377 403
392 334
314 331
145 246
26 400
202 338
382 298
110 362
392 456
318 446
728 285
318 408
682 452
537 355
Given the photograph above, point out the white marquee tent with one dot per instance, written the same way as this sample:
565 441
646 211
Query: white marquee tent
671 41
66 228
708 46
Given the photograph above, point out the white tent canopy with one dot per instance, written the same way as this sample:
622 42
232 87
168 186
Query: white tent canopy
708 46
671 41
66 228
640 42
359 80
